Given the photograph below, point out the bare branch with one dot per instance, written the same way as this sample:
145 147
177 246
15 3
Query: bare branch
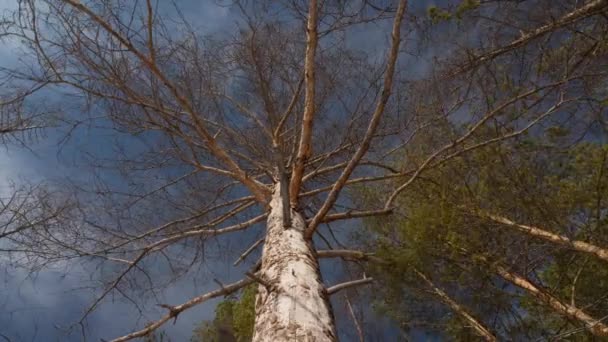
355 214
355 320
373 125
479 328
160 244
151 31
594 326
589 9
288 111
350 254
475 127
259 191
260 280
176 310
305 148
352 283
576 245
247 252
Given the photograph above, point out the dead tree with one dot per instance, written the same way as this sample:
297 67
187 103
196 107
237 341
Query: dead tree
272 122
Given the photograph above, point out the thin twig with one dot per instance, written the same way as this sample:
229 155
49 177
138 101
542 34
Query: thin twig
247 252
345 285
176 310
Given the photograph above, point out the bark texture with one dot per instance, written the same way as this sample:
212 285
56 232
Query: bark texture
292 303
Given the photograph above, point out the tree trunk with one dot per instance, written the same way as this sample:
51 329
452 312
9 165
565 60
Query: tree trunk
292 303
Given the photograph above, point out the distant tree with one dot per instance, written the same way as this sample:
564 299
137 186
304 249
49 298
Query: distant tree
234 319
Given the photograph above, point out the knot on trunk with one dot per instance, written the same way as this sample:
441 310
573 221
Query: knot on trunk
270 287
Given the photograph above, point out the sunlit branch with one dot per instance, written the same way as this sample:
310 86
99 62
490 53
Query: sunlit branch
576 245
596 327
348 284
373 124
305 148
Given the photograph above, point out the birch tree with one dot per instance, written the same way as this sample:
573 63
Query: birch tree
275 122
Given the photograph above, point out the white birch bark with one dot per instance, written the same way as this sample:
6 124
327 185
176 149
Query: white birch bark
292 304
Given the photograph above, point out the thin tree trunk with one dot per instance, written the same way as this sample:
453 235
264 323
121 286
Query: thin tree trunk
292 303
479 328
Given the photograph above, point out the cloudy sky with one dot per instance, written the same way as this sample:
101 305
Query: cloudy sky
43 306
